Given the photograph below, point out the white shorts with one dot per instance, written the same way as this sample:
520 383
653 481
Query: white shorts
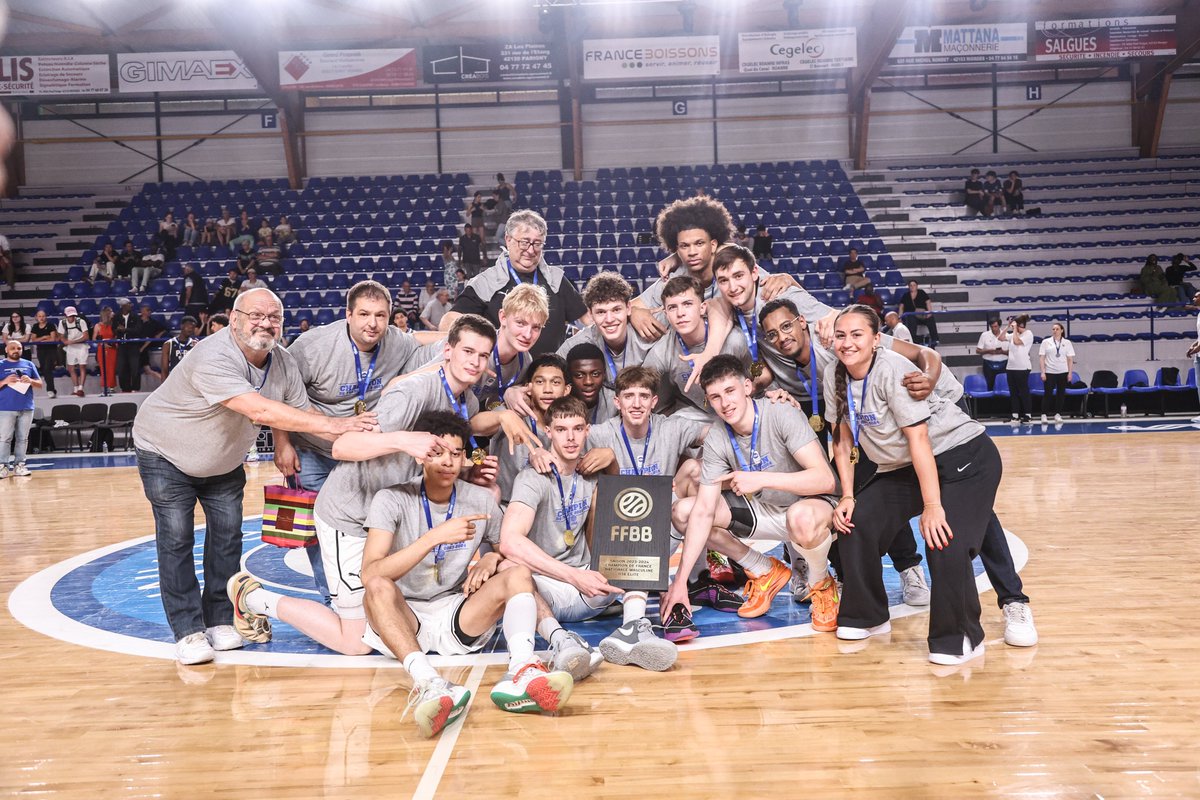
341 558
754 519
77 355
568 603
435 629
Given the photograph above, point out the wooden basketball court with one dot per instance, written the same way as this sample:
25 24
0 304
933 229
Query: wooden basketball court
1107 705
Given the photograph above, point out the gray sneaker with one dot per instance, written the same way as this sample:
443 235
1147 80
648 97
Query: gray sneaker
635 643
572 654
799 581
22 471
3 472
913 588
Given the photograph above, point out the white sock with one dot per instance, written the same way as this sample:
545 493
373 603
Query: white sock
818 560
635 606
754 562
547 629
263 601
418 667
520 614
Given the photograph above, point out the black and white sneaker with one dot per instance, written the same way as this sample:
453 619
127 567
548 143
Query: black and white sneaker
635 643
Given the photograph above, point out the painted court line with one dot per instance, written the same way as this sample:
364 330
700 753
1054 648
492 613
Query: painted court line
436 768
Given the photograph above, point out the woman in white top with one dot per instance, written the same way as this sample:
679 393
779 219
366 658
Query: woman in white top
1020 341
1057 357
994 352
16 329
932 460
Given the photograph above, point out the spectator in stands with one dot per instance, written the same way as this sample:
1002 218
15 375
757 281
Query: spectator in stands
1014 193
177 347
264 230
16 407
1154 282
501 210
1175 274
973 195
168 228
226 227
1193 351
993 193
917 309
407 301
148 327
994 352
246 258
191 230
104 264
106 354
1057 357
1020 342
763 243
284 234
225 295
895 328
744 239
470 251
73 333
269 257
45 341
475 212
867 297
457 284
208 236
438 307
146 270
217 323
252 282
245 232
505 190
449 259
399 319
16 330
428 292
855 272
304 327
8 268
193 297
127 259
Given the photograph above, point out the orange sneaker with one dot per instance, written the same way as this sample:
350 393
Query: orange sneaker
761 589
825 603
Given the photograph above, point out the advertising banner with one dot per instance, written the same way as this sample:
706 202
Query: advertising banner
205 71
487 63
1104 38
355 70
797 51
961 44
66 74
659 57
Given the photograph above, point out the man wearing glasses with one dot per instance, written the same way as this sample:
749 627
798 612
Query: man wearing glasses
521 261
191 435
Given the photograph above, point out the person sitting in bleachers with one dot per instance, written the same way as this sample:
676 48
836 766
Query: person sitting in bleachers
105 264
127 259
190 232
208 235
893 327
226 227
855 272
1153 281
226 293
763 242
168 228
246 258
245 232
284 234
1180 267
867 297
399 319
742 238
993 193
916 309
269 256
994 352
407 301
428 292
264 230
436 308
973 196
252 282
1014 193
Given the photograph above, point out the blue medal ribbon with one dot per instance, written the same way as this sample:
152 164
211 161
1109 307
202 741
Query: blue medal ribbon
854 413
638 464
737 450
751 333
683 345
562 496
439 552
501 386
364 381
459 406
266 372
612 364
813 386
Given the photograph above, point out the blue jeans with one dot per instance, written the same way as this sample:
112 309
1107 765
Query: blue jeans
314 469
173 495
14 435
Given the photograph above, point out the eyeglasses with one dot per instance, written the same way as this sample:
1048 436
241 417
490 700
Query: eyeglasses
258 319
785 328
534 245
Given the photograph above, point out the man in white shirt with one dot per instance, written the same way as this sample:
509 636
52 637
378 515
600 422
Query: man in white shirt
994 352
74 333
436 308
896 328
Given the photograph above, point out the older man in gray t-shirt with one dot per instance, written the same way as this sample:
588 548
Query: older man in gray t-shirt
191 435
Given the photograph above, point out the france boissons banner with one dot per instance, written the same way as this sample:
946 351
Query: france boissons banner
202 71
65 74
348 69
797 51
1105 38
960 44
660 57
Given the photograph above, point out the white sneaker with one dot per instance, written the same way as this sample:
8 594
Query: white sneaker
1195 420
1019 630
854 634
948 660
533 688
913 588
194 649
3 472
635 643
573 655
1044 420
22 471
436 704
1014 420
51 394
1058 418
225 637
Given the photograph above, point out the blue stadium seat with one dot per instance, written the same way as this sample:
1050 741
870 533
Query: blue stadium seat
975 389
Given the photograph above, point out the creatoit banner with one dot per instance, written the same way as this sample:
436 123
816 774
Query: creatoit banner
1104 38
797 51
659 57
360 70
202 71
65 74
961 44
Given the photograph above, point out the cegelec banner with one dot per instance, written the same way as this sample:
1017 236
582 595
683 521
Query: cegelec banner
1111 37
961 44
665 57
348 69
797 51
202 71
65 74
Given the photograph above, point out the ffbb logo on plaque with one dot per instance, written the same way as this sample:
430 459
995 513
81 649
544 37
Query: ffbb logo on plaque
631 534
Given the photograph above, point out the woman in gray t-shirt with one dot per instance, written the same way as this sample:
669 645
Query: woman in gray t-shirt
934 461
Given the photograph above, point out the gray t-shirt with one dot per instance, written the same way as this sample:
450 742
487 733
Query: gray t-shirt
664 357
670 438
783 430
399 509
652 296
511 465
540 492
635 351
346 495
888 409
183 419
487 391
325 356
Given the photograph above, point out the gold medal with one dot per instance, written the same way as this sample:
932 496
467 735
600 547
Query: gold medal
817 423
360 407
437 572
495 404
477 456
569 538
748 496
756 369
854 454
